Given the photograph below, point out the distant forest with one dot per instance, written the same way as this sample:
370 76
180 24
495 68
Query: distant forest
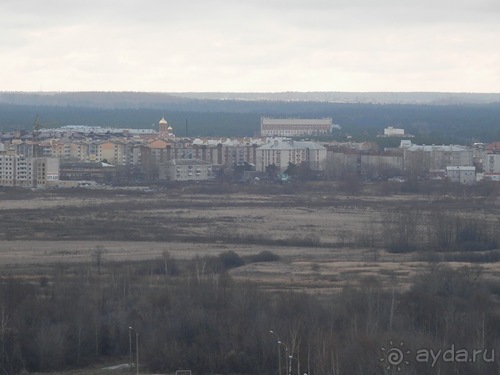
430 123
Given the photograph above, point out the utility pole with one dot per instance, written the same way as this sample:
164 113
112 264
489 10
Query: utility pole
130 329
279 351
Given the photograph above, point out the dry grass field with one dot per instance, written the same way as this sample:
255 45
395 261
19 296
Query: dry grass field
324 240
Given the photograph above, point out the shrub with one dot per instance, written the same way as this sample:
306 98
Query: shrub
401 248
477 246
264 256
229 259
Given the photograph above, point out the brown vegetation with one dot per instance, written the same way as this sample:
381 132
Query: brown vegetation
203 277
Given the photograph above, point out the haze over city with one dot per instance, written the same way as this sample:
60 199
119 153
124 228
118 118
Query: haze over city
255 46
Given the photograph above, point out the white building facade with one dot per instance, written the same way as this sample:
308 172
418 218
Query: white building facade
463 175
280 153
491 163
436 157
393 132
186 170
18 170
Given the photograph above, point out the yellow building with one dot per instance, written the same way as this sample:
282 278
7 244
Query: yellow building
61 150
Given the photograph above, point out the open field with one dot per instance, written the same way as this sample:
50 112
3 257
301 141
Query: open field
336 275
324 240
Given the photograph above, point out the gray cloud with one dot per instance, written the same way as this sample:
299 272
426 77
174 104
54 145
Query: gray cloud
258 45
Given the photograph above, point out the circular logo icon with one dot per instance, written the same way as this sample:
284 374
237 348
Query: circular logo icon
394 356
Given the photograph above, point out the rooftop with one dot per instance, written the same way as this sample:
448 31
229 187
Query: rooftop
291 145
188 162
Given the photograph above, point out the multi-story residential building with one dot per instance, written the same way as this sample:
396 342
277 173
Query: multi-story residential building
24 172
421 159
61 149
106 151
96 171
282 152
45 171
186 170
491 163
210 151
294 127
381 164
463 175
239 151
94 152
493 148
17 170
25 149
8 171
215 151
134 154
79 151
355 160
341 162
114 152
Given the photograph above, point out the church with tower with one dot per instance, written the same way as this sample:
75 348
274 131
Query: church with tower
164 129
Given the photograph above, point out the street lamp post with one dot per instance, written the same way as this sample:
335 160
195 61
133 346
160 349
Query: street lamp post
130 329
279 352
130 347
287 370
291 357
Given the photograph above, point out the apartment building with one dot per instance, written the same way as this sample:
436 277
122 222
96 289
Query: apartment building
114 152
342 161
8 170
281 152
45 172
463 175
79 151
25 148
18 170
96 171
426 158
491 163
186 170
61 149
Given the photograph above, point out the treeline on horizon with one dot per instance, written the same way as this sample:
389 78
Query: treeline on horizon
431 124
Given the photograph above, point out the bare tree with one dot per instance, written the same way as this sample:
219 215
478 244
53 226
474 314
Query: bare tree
97 256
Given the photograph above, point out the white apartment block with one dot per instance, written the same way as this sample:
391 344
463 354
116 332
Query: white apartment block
294 127
16 170
435 157
186 170
463 175
282 152
9 172
491 163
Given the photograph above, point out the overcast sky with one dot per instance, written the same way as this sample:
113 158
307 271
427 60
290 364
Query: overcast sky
250 45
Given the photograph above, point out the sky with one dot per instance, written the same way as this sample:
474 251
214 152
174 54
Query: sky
250 45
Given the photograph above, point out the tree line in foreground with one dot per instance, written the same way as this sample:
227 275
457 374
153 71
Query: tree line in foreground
193 315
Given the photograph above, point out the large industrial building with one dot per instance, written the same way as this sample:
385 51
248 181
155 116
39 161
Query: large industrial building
294 127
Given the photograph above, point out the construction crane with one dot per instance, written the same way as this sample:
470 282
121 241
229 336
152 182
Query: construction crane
36 135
